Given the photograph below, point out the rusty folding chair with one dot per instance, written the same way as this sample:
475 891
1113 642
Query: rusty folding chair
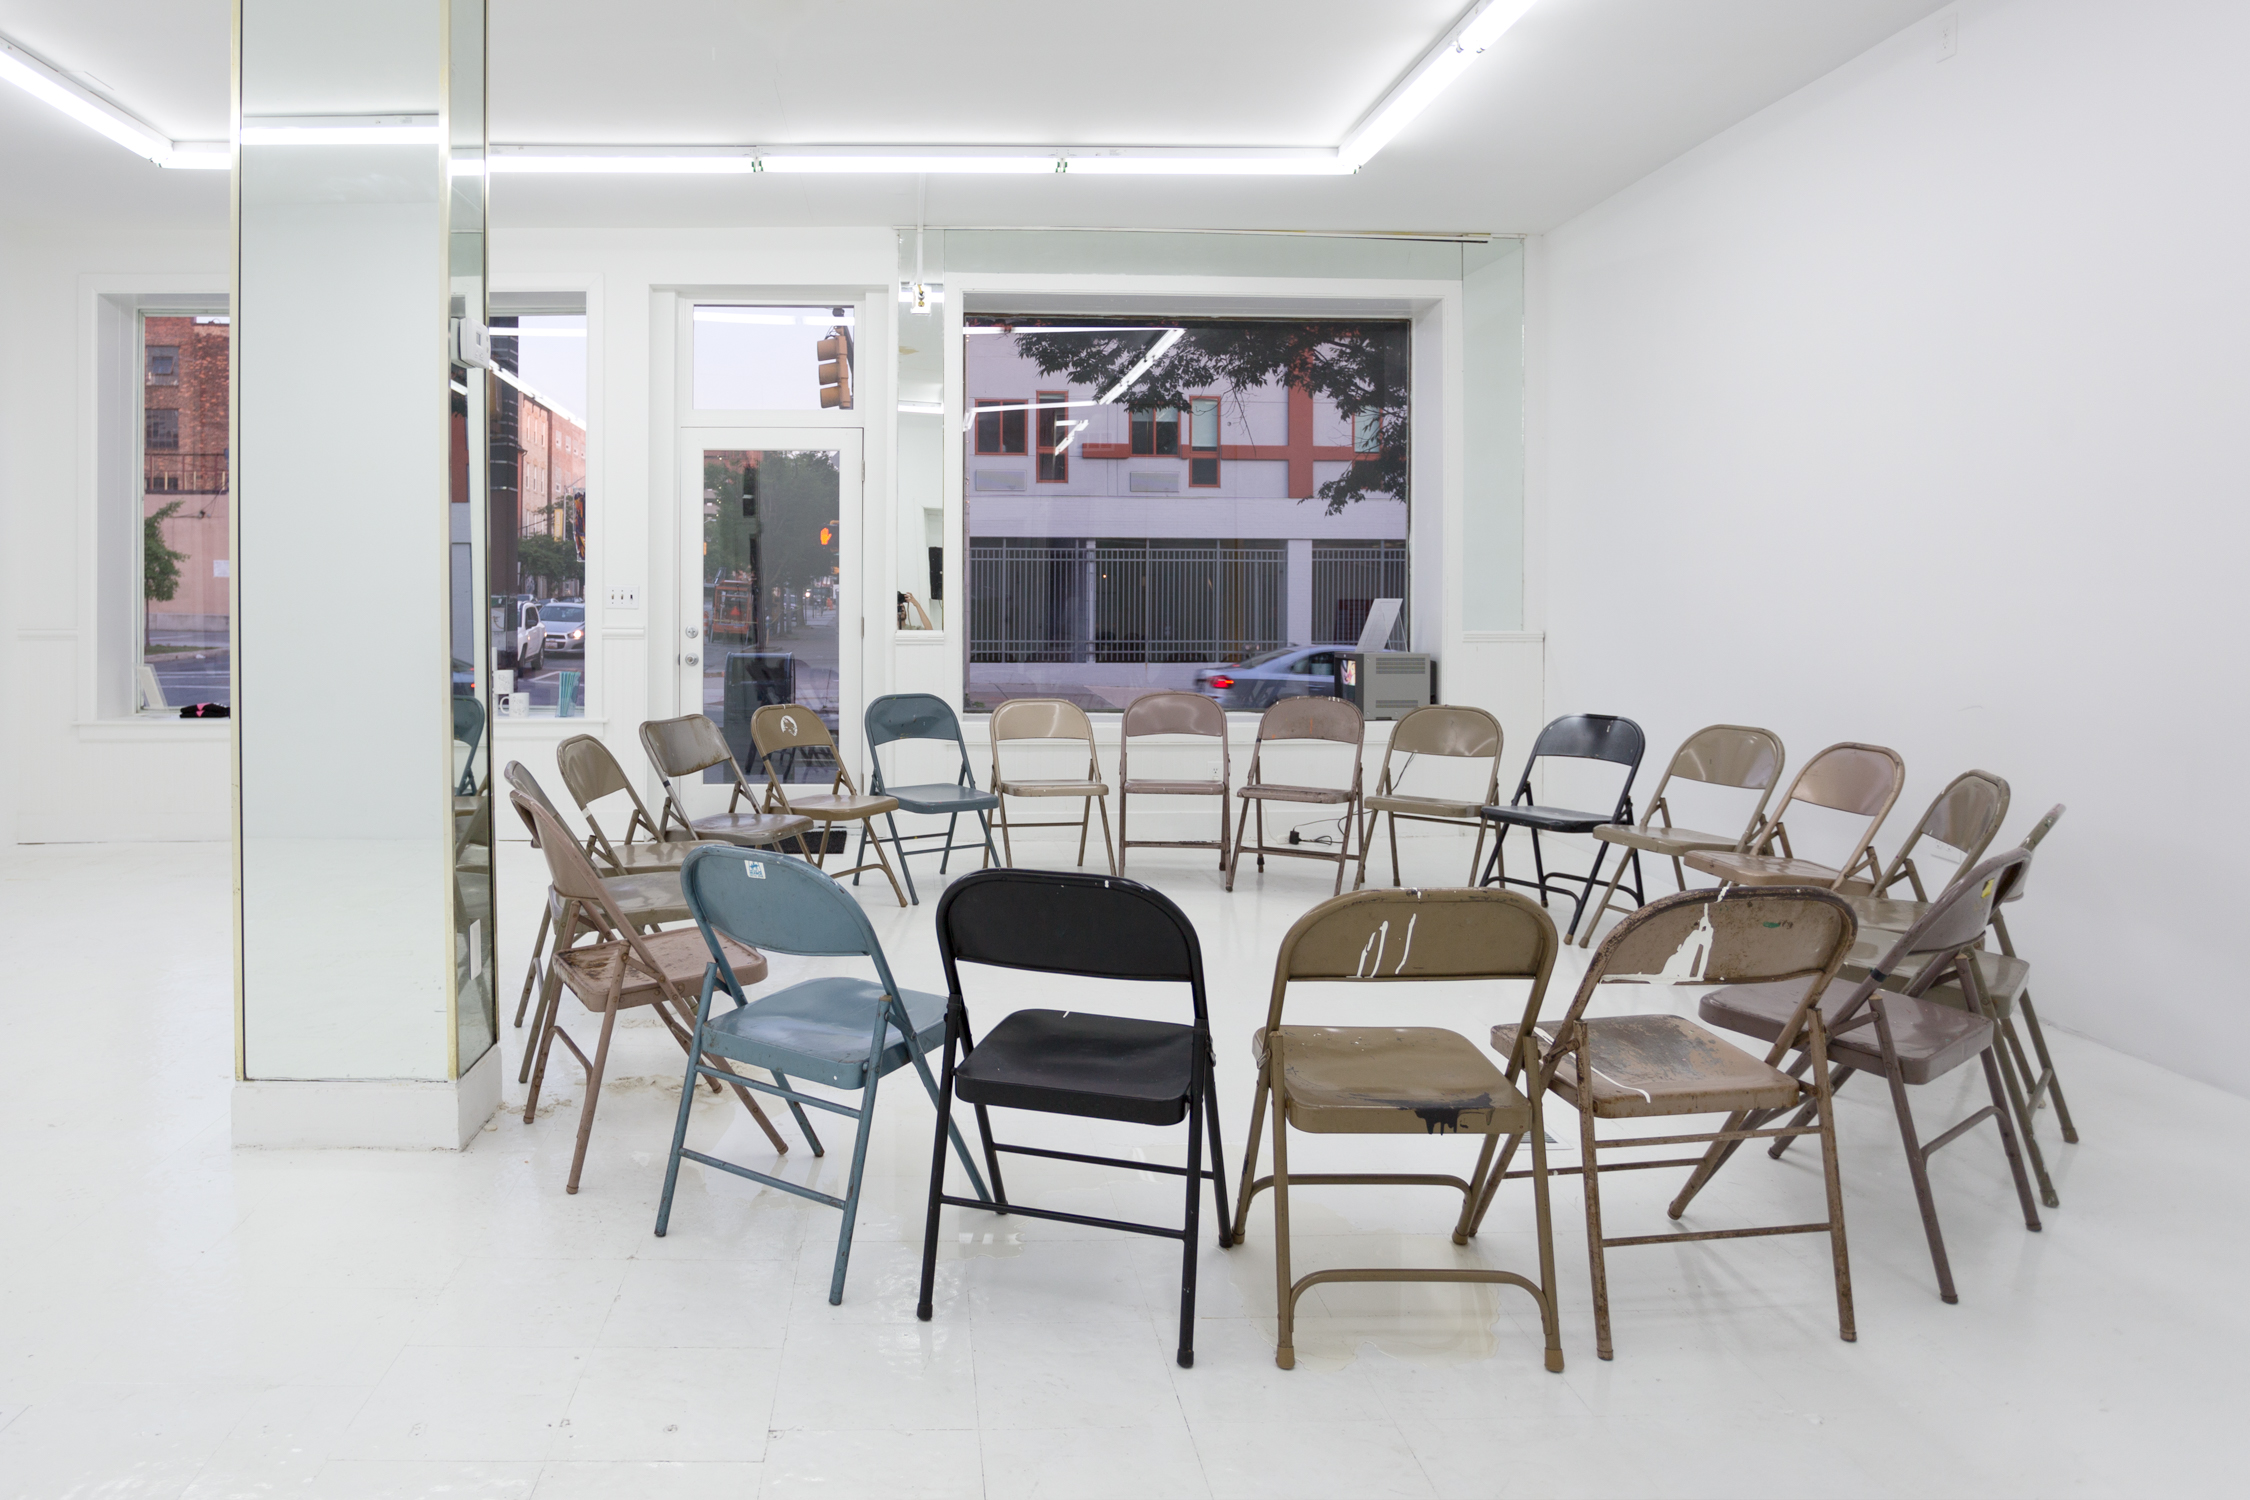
1729 755
591 774
1401 1080
782 732
1301 719
1174 714
618 969
1863 780
1658 1066
1914 1041
1440 732
1021 719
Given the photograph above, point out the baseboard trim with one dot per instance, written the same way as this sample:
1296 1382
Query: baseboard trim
382 1114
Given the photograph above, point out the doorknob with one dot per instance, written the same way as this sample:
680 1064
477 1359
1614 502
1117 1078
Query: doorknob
689 659
691 632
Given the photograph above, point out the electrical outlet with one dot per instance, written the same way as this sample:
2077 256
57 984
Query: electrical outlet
1948 34
625 596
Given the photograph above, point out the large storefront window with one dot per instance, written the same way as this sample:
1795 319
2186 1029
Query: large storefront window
537 463
1201 505
187 589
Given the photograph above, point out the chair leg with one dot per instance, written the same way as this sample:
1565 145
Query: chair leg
531 974
1234 860
1465 1227
548 1022
1222 829
1832 1176
2009 1143
1217 1154
1007 844
1108 853
1608 897
550 996
851 1193
991 855
1539 869
1601 852
1550 1308
1591 1176
1285 1350
1123 843
1250 1158
1344 848
1365 843
1782 1143
1190 1222
2047 1074
1085 824
945 858
867 826
1476 855
803 1123
593 1096
679 1128
1261 837
899 846
955 1024
2004 1033
1917 1162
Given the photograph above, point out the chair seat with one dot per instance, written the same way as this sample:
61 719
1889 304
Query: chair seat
587 971
2002 978
1763 869
1931 1039
842 807
1646 1067
1885 915
751 830
821 1029
653 896
1075 1063
639 857
1272 791
1552 819
1175 788
1392 1080
940 797
1670 842
1054 788
1420 807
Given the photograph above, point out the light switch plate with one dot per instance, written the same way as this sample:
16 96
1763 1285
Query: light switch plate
624 596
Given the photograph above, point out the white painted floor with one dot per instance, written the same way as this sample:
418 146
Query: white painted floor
183 1319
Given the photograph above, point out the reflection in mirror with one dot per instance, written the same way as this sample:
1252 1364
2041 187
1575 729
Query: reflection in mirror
537 478
773 358
921 521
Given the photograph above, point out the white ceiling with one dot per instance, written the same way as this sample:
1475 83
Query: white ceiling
1581 99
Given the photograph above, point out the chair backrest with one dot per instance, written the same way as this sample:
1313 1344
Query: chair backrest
1849 777
519 776
2044 826
1446 731
1956 920
1484 933
1736 935
1041 719
778 904
683 746
589 771
1313 719
911 716
1065 922
1733 755
468 720
1966 814
2013 883
1173 713
781 727
1603 737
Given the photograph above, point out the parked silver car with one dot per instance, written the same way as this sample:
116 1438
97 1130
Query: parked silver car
564 621
1260 681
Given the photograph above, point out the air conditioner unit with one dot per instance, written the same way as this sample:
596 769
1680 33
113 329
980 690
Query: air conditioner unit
1387 684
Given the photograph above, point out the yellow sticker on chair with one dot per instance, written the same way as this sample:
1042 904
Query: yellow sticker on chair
1986 893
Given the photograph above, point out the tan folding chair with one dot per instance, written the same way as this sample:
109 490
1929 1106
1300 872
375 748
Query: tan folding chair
1900 1036
617 970
1660 1066
684 747
1401 1080
1732 755
1021 719
1964 818
647 900
1301 719
791 730
1176 714
1863 780
1440 731
591 774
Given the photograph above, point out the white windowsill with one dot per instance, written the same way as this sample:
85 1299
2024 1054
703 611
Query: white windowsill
153 729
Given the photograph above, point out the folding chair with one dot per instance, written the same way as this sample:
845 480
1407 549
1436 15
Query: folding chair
1021 719
1964 819
1915 1042
897 717
620 969
1662 1066
1075 1062
1153 714
468 729
646 901
1730 755
683 747
1301 719
1598 737
1401 1080
1862 780
791 730
1437 731
840 1032
591 774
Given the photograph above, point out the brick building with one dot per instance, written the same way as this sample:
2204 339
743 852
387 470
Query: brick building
184 459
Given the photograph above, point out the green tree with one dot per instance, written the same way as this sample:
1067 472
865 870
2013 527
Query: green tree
160 561
779 543
550 558
1361 367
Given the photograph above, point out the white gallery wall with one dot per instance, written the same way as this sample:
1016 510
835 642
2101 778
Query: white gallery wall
1913 410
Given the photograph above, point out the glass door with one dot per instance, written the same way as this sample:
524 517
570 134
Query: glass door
771 589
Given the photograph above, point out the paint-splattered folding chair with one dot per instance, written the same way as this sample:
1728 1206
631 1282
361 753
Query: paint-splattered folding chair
1399 1080
1660 1066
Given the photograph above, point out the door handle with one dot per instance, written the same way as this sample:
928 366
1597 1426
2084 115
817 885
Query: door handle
688 660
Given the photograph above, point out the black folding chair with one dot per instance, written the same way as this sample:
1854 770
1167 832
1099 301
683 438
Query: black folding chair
1074 1062
1603 737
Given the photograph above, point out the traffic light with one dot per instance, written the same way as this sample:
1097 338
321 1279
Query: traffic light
835 352
828 534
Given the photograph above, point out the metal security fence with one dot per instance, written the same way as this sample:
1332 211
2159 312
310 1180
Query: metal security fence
1347 579
1046 599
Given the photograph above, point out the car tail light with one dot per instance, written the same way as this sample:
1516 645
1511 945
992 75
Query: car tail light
1222 682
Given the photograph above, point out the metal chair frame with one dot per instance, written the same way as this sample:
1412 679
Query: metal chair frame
1445 716
1175 713
1592 732
717 754
792 729
881 731
589 774
1308 720
1058 712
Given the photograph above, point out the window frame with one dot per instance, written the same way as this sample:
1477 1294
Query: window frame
1210 455
1050 465
1000 426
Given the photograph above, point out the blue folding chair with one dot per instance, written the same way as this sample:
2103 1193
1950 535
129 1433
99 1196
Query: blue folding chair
923 716
838 1031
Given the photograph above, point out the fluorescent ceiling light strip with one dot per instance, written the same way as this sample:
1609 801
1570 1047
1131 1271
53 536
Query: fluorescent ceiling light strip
56 89
1435 72
709 314
537 333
